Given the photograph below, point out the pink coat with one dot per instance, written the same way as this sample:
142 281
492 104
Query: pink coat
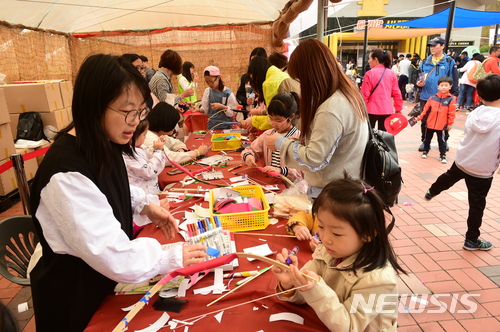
258 150
387 97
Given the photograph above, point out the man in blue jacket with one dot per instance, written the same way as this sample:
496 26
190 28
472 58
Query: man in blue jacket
431 70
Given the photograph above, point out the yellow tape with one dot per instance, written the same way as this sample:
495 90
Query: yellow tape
23 109
7 155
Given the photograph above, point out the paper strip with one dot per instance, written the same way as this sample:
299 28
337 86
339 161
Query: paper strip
262 250
287 316
219 316
181 292
157 325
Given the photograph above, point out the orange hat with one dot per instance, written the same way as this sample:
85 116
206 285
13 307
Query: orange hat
395 123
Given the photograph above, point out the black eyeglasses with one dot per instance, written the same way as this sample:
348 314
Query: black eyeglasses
140 68
130 116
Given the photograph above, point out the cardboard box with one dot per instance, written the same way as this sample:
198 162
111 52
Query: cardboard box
30 166
66 93
4 111
8 181
33 97
7 147
57 119
14 119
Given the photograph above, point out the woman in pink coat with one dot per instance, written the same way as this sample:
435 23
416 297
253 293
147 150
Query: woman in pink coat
380 88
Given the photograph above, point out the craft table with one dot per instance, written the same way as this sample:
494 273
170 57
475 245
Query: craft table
250 317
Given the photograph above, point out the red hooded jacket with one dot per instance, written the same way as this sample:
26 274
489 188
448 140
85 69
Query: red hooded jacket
439 111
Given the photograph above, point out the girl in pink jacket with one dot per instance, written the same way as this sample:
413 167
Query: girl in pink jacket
380 88
283 110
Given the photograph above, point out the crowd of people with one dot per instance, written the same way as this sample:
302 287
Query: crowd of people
312 119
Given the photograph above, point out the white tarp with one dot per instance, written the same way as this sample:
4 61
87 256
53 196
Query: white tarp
82 16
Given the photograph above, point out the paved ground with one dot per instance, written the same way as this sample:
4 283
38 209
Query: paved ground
428 240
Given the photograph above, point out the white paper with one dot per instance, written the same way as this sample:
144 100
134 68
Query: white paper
129 308
202 212
242 183
270 198
157 325
207 290
168 293
287 316
219 316
238 178
262 250
181 292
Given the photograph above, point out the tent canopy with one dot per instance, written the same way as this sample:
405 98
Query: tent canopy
77 16
464 18
391 34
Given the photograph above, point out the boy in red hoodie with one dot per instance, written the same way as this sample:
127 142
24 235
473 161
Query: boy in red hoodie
439 112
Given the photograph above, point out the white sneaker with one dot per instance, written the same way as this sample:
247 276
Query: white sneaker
443 160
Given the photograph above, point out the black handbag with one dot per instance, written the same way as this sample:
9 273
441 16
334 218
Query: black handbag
415 111
381 168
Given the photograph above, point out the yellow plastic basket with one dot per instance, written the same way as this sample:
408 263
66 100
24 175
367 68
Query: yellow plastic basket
244 221
226 145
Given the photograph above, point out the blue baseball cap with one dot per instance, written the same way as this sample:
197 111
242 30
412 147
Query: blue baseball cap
435 41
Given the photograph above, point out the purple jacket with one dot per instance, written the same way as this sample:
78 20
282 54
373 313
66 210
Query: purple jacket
380 102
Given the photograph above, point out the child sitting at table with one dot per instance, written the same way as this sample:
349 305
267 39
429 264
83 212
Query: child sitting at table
354 261
143 168
218 101
283 110
162 121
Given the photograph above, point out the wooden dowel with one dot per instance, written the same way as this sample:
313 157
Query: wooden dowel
278 235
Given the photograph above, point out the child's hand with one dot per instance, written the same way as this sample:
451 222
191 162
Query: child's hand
284 276
313 244
193 254
159 143
250 161
301 232
217 106
270 140
271 169
165 203
203 149
448 127
299 280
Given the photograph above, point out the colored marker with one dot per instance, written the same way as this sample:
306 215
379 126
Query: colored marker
292 253
241 274
235 167
250 278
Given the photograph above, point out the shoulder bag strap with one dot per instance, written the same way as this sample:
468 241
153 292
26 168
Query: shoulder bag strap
380 80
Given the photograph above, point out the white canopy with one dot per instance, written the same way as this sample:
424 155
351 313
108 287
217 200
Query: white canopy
85 16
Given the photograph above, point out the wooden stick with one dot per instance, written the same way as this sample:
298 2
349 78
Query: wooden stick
278 235
243 284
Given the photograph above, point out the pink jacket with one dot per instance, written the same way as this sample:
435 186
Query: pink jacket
380 102
258 150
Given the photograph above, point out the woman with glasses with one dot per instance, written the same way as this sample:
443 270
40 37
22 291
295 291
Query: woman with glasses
283 112
218 101
333 124
137 61
83 206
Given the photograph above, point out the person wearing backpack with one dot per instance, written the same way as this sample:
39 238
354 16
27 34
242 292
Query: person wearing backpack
468 83
431 70
490 64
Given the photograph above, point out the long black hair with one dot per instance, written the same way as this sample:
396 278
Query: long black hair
257 70
102 78
186 70
355 202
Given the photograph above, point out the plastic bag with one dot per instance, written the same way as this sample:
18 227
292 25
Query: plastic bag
291 201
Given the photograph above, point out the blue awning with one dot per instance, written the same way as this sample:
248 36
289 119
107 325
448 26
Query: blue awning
464 18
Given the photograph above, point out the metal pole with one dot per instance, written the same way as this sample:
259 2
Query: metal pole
321 21
365 46
22 183
495 35
449 27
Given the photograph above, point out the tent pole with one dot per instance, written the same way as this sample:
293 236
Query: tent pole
495 36
321 21
365 46
449 27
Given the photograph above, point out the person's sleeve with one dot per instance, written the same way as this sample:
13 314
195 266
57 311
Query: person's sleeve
427 107
452 109
241 94
174 144
396 96
205 102
455 77
176 156
232 104
320 148
81 223
350 315
146 169
139 200
491 66
466 66
183 82
257 147
300 218
366 86
161 90
260 122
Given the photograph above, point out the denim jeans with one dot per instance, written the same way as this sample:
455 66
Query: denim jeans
466 91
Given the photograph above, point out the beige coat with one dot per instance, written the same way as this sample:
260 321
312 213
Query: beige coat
332 298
